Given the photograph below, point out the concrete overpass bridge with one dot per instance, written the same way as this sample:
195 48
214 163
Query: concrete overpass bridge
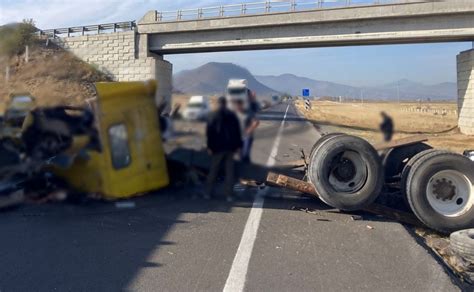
135 51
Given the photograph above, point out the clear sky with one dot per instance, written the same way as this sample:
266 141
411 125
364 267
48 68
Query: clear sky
371 65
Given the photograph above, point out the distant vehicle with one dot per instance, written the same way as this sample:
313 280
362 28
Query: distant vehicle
198 108
276 99
237 90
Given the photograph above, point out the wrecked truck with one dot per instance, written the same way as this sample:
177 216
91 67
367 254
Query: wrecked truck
112 147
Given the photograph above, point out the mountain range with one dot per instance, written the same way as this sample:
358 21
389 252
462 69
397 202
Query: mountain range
212 78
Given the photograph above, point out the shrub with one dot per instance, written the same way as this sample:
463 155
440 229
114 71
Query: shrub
14 37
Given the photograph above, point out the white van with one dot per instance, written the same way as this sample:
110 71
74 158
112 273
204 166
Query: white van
198 108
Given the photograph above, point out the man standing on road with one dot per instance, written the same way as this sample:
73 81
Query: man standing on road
249 123
224 139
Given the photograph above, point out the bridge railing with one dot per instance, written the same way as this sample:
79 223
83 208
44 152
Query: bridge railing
263 7
88 29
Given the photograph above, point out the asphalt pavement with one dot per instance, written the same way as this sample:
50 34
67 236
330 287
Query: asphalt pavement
260 242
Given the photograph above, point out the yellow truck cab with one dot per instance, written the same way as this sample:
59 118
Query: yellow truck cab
132 160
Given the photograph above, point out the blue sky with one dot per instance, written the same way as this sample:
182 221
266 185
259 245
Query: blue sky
371 65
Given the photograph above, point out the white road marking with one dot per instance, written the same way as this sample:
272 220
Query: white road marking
238 272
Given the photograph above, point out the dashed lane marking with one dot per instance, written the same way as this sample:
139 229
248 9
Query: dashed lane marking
238 272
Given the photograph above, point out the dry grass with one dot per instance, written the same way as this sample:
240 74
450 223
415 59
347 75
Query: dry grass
52 75
363 120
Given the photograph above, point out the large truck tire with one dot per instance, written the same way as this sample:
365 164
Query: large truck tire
323 139
315 148
406 172
440 191
346 172
462 243
395 159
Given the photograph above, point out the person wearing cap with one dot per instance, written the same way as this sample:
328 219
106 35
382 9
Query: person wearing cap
224 139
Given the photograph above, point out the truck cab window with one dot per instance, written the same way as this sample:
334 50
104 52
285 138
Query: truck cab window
119 149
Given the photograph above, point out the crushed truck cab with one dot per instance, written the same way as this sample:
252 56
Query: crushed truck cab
132 160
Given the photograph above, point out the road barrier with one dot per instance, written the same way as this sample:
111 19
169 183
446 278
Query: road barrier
274 6
88 29
428 110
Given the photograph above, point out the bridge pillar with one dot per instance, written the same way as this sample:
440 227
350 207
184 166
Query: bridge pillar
465 61
164 77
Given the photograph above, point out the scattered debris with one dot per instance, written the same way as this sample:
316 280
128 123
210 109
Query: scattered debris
370 227
252 183
312 211
306 187
356 218
125 205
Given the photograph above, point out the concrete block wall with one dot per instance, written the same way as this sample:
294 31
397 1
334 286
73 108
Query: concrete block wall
116 54
465 66
124 56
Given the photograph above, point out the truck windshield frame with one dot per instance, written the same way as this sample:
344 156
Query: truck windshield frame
237 91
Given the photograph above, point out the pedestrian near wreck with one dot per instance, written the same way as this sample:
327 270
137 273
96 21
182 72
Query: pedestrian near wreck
249 123
224 139
386 127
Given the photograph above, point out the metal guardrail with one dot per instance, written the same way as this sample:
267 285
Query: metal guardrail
88 29
255 8
273 6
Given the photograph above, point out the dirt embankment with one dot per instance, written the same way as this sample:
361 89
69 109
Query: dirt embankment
53 75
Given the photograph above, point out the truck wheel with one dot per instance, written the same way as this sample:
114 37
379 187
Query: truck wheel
462 243
395 159
406 172
323 139
440 191
347 172
316 147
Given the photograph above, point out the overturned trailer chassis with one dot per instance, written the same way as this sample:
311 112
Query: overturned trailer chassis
349 174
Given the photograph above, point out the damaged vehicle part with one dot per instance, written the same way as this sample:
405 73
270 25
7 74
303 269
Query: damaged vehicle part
51 131
462 243
347 172
394 160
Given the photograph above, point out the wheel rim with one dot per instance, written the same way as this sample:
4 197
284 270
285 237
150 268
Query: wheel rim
348 172
449 193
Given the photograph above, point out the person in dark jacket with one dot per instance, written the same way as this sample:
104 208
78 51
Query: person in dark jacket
224 139
386 127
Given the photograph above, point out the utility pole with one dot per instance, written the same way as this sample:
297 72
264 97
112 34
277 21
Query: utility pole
362 96
7 73
27 53
398 91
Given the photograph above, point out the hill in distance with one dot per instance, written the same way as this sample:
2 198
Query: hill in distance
405 89
212 79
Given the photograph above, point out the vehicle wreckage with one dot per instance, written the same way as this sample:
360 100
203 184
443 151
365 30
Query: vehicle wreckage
87 149
114 148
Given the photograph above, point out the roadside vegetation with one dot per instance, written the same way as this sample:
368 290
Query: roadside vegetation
51 74
14 37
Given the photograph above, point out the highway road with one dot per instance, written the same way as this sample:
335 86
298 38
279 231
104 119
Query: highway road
170 242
